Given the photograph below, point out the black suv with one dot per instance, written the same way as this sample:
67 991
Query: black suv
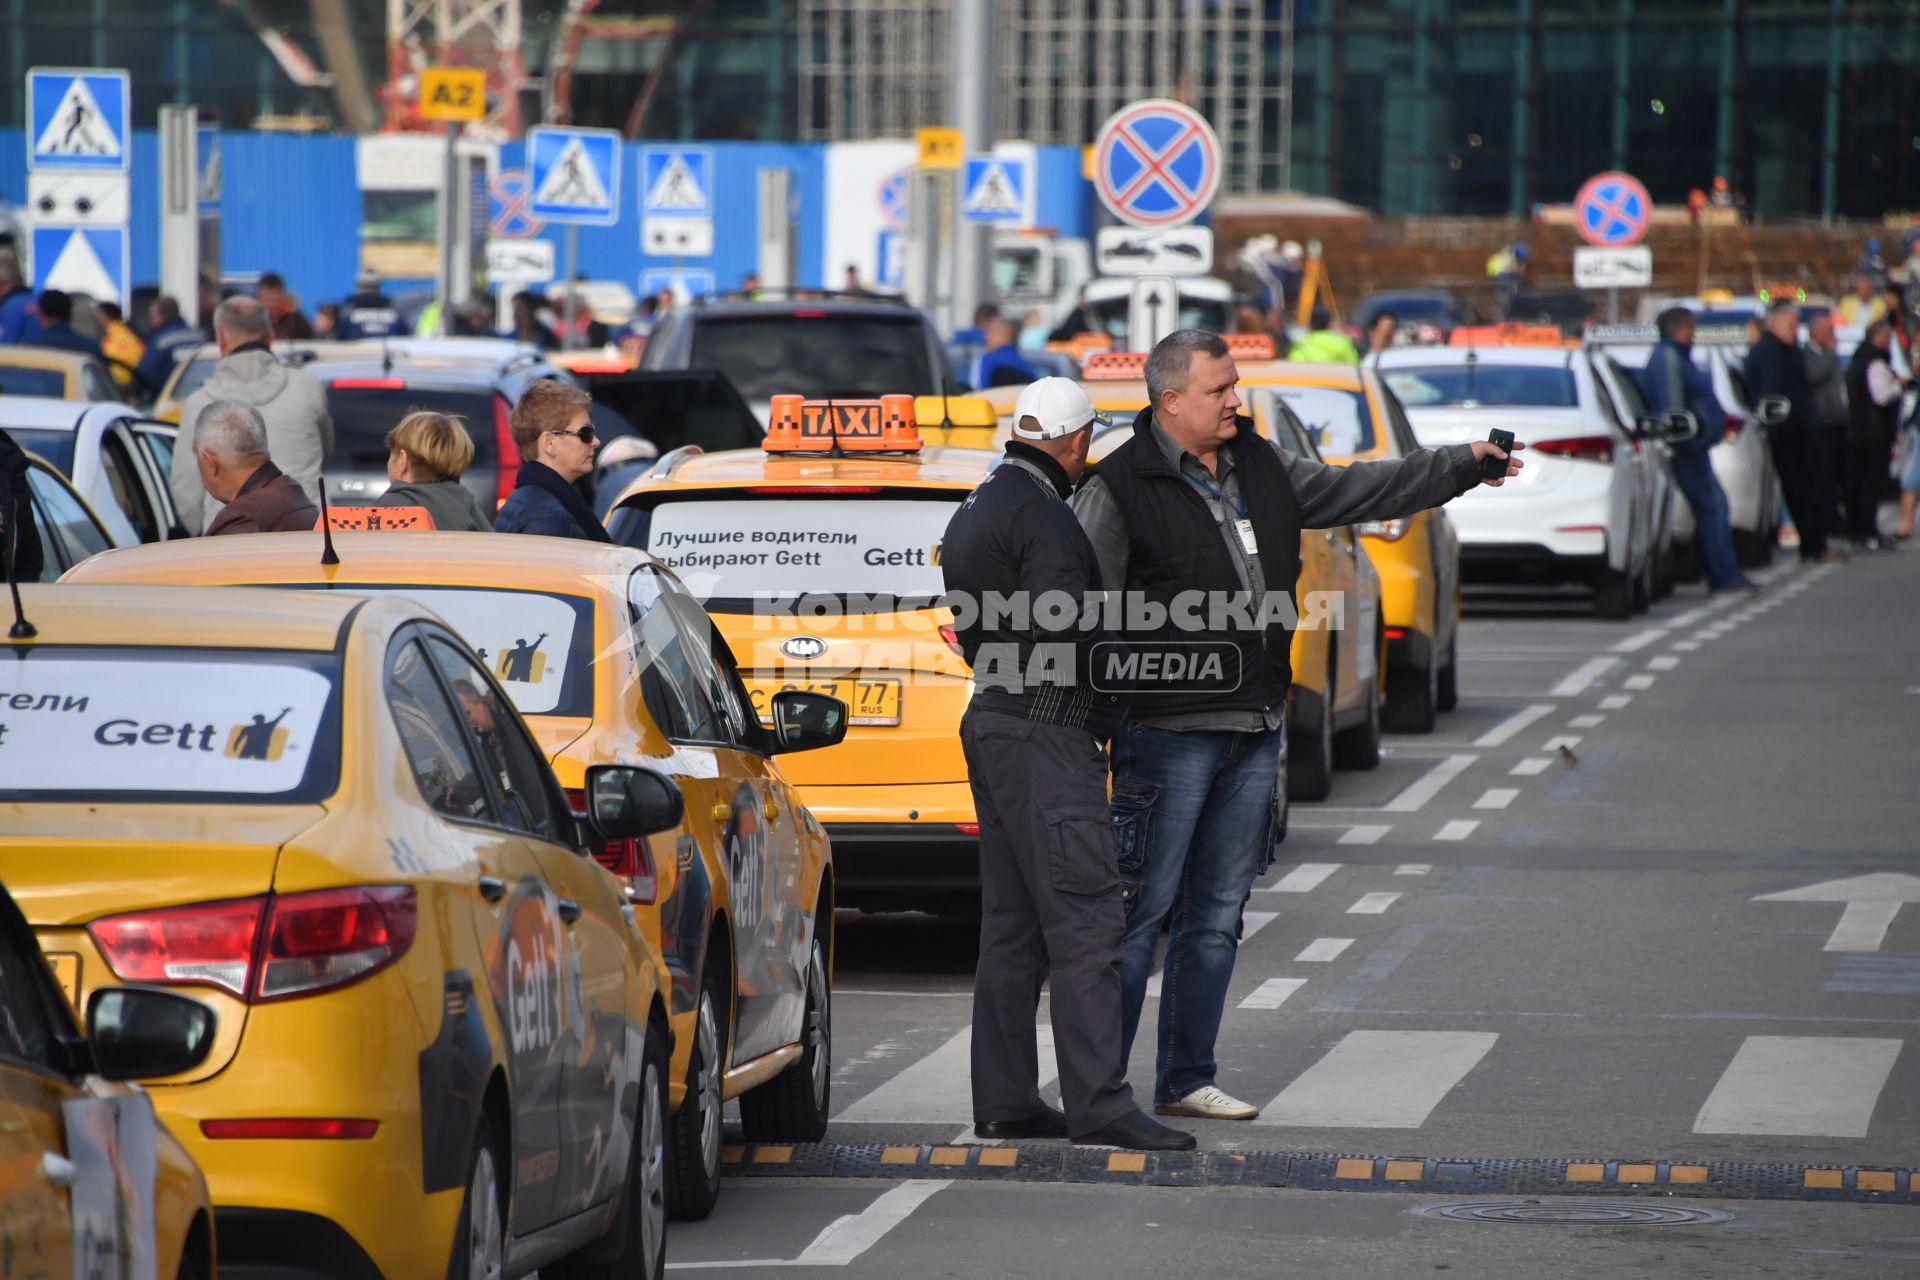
841 345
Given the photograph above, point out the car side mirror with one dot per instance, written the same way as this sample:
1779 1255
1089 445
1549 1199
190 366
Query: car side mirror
1772 411
804 721
628 802
1671 428
138 1033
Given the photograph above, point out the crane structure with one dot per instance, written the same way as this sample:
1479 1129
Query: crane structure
457 33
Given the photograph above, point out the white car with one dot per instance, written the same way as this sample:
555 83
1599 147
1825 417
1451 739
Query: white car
1584 507
1741 460
117 460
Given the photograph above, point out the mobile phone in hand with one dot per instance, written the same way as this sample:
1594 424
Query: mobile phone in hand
1492 468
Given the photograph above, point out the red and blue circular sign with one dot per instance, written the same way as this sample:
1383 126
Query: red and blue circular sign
509 207
1156 163
1612 209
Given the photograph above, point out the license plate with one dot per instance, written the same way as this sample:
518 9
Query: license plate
66 971
869 702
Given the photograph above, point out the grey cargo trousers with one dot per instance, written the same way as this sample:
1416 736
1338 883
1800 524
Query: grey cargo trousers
1051 910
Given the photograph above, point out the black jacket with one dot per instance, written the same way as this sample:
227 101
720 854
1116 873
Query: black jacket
1013 541
16 515
1776 369
1869 423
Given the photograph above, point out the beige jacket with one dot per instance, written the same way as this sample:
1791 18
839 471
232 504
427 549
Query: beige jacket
299 430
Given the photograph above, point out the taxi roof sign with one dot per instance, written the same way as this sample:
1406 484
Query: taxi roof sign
1114 366
799 425
958 411
376 520
1509 335
1250 346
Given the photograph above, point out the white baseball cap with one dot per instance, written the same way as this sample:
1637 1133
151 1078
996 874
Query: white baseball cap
1059 405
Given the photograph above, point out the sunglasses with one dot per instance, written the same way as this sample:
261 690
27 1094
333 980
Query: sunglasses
584 434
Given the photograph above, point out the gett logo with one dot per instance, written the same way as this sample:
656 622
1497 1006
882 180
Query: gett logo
262 739
523 663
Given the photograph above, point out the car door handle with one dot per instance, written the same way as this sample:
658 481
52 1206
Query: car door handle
569 910
58 1170
492 888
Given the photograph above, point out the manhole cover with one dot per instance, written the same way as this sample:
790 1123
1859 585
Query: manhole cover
1573 1213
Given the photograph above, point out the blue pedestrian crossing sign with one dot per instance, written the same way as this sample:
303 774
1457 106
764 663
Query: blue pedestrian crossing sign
575 175
676 182
78 118
89 260
995 190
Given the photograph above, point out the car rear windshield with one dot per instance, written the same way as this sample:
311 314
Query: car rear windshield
117 725
537 644
1339 420
362 416
1479 382
874 552
1434 309
55 446
15 381
817 356
1115 315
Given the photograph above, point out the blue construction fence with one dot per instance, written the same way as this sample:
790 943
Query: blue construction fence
292 204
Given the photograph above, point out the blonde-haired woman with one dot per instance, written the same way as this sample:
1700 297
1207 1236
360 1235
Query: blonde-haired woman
426 456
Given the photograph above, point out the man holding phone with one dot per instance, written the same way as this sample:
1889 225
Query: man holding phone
1196 502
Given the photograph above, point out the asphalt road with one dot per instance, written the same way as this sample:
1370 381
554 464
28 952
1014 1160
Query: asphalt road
1632 950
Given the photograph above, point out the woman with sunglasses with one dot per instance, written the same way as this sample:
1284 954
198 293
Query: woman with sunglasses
556 446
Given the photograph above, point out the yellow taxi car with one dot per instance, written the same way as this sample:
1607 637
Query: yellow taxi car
821 566
91 1184
1341 667
442 1038
1352 416
55 373
742 910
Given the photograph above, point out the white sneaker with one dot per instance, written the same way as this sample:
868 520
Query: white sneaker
1208 1103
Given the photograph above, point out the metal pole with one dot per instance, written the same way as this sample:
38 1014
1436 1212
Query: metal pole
970 59
449 224
1522 109
1622 79
1723 124
1285 143
1830 143
1422 106
566 307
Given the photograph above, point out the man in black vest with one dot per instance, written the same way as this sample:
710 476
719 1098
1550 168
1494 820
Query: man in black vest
1873 410
1197 521
1019 576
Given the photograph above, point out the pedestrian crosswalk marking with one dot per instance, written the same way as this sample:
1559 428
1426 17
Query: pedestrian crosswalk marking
1364 834
1321 950
1373 904
1638 682
939 1087
1805 1086
1615 701
1272 993
1530 766
1304 878
1586 722
1251 922
1513 724
1576 681
1662 662
573 181
1458 829
1380 1079
78 128
1496 798
1413 869
1429 785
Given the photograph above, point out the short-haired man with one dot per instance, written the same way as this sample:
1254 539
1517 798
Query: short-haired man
556 444
1051 907
1776 371
1196 502
230 448
291 401
56 327
1673 382
283 309
169 337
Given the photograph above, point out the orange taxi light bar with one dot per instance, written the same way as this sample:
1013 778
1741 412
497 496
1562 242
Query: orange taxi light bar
798 425
376 520
1250 346
1507 335
1115 366
1083 344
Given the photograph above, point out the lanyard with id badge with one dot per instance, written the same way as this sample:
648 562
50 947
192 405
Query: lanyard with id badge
1242 525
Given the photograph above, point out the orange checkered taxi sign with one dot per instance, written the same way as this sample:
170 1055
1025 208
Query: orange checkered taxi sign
1249 346
798 425
376 520
1114 366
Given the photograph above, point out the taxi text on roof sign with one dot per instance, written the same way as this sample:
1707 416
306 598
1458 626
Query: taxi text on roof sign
453 93
852 426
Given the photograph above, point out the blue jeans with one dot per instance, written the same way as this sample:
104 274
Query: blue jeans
1193 818
1712 530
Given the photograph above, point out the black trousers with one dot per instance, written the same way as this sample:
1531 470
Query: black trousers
1051 912
1802 465
1867 463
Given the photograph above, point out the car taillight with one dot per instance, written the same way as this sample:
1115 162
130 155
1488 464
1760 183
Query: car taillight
506 451
1385 530
266 948
1396 633
289 1127
967 828
1735 424
952 638
369 384
1585 448
631 860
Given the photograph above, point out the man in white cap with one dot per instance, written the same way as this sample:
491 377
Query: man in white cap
1019 572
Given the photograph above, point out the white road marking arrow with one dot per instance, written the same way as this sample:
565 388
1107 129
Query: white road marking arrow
1872 903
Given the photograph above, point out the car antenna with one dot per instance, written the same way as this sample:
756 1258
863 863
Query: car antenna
21 629
946 389
386 357
327 554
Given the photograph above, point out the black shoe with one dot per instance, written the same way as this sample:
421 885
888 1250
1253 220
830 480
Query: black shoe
1046 1123
1138 1131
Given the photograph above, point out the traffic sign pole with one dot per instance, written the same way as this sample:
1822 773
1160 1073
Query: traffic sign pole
449 180
566 283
